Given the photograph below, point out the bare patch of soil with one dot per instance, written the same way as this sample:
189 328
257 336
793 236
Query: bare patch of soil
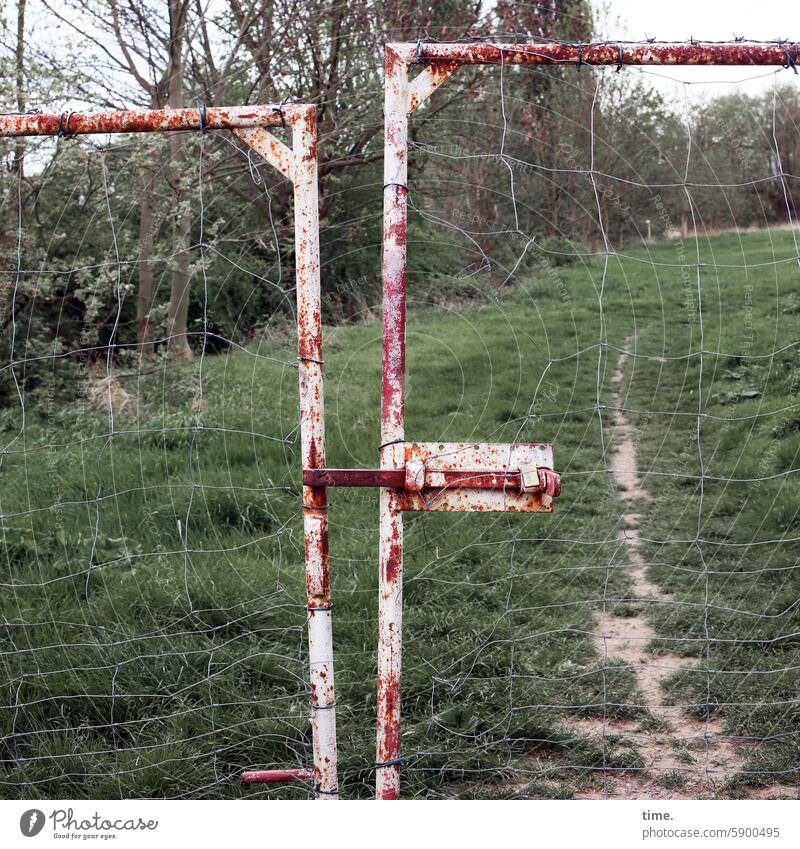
690 758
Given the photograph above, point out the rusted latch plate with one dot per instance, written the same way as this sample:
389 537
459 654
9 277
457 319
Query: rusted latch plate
474 476
460 476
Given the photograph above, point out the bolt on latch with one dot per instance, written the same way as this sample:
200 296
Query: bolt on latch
531 477
535 478
415 476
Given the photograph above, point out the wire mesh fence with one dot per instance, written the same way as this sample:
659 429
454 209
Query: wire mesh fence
153 616
657 366
622 282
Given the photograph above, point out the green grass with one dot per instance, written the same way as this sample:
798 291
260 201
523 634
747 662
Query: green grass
153 590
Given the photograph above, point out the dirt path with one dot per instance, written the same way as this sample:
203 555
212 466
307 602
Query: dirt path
687 758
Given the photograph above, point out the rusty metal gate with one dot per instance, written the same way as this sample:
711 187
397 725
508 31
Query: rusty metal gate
413 476
508 472
298 164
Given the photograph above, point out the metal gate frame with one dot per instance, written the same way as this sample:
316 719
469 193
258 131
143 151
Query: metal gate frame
412 475
439 61
299 165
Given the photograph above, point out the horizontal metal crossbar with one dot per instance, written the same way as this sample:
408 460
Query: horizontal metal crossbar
150 120
396 478
607 53
270 776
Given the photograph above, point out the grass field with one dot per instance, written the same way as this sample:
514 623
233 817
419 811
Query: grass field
152 641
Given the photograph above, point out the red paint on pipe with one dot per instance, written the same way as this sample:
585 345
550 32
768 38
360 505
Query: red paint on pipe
312 446
389 793
353 477
145 120
397 231
549 480
428 81
393 563
698 53
390 574
269 776
389 749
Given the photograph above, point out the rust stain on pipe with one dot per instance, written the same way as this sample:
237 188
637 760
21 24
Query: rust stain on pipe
271 776
698 53
146 120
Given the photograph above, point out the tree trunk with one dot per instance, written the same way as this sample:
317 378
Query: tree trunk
178 310
19 143
144 303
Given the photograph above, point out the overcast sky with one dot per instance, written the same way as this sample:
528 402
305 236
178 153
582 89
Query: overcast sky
713 20
673 20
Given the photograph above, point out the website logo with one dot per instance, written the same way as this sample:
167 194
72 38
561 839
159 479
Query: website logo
31 822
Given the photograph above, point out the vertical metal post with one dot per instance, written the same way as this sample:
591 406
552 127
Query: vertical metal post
312 439
390 575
